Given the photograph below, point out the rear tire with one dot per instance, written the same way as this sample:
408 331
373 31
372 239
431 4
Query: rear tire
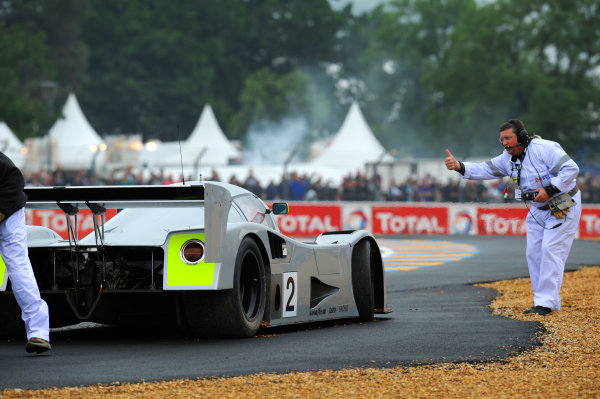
363 281
11 323
232 313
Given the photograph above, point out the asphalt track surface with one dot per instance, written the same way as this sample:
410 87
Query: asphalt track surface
438 316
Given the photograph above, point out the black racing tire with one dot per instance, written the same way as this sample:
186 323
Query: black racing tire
363 280
235 313
11 323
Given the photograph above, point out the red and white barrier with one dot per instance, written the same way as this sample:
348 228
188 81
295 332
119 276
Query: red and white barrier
55 219
309 219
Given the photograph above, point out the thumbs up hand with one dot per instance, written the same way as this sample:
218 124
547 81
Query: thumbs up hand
451 162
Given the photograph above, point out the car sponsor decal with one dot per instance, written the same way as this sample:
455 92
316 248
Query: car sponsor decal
413 254
179 273
3 274
290 294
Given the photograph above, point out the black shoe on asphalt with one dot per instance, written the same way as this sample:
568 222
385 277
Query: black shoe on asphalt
541 310
37 345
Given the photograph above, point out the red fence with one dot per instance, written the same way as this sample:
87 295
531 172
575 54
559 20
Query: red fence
309 219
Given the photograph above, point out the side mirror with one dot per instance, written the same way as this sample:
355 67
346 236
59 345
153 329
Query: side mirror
280 208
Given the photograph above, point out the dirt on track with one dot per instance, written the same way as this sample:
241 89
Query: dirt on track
565 365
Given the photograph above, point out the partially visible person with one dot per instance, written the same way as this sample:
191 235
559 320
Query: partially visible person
540 168
13 248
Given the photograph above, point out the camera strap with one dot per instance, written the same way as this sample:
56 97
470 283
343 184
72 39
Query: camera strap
517 166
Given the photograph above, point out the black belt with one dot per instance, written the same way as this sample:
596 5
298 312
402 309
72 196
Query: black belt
571 193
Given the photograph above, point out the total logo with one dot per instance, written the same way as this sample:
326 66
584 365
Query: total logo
462 220
306 224
388 223
356 219
493 224
55 220
590 225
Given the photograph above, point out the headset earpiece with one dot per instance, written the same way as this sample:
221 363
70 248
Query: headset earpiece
522 134
523 137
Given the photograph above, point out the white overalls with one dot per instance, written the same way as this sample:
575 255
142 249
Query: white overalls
13 247
549 239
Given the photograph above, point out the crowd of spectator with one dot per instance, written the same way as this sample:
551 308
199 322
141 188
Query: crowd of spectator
302 187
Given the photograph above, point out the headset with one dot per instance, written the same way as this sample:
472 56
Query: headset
523 136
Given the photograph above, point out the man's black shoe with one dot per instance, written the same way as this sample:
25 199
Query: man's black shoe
541 310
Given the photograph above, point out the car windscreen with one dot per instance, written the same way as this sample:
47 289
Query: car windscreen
254 210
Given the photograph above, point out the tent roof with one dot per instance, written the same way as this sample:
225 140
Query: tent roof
207 134
353 145
72 137
10 145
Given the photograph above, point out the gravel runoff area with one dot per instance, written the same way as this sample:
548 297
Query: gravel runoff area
566 364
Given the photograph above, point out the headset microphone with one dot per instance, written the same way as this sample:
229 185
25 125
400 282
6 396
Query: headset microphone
513 146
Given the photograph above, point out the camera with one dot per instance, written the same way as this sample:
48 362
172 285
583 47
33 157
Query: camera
529 196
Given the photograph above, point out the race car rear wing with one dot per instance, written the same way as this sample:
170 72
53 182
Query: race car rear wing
114 197
216 200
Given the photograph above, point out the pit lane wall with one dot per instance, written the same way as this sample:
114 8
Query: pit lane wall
309 219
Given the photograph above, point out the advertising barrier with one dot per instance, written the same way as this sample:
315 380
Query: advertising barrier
309 219
56 220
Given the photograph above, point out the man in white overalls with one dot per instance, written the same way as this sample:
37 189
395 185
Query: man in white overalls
545 175
13 248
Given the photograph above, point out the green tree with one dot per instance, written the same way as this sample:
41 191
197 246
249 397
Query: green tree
151 66
534 60
268 96
154 65
407 43
21 65
40 42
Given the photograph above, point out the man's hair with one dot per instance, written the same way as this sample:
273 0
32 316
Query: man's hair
515 124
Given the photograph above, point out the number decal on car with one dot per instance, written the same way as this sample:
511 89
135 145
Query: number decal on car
290 294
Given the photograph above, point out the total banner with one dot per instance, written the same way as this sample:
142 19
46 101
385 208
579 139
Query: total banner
56 220
309 219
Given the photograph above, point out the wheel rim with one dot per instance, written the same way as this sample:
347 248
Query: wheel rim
250 285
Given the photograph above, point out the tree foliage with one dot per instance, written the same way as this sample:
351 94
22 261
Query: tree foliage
427 74
532 60
21 62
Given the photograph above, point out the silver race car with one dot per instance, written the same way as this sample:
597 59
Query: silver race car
207 257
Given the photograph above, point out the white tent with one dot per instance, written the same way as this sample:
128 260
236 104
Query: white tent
207 145
353 145
74 139
11 146
208 134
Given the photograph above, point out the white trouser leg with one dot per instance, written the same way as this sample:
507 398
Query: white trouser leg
13 247
535 234
549 262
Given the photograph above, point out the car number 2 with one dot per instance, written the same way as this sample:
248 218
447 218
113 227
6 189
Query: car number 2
290 294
